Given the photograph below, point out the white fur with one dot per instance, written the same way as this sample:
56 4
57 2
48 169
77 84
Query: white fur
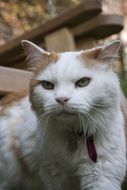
44 143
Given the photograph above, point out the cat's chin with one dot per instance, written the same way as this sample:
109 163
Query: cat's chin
65 116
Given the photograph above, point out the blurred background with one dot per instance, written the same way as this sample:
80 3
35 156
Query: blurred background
60 25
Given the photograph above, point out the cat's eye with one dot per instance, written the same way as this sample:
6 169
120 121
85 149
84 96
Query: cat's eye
47 85
83 82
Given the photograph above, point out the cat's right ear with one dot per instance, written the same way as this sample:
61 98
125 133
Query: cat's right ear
33 52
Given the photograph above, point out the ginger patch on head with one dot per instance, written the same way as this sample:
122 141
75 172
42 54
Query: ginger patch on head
90 57
37 58
105 55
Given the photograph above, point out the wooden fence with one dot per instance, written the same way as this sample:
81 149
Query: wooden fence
74 29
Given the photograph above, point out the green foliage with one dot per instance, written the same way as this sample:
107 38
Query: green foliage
124 186
123 83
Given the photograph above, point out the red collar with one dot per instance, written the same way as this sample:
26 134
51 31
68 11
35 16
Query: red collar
91 148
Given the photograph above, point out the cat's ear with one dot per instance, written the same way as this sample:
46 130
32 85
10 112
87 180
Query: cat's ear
37 58
33 52
108 53
31 48
103 54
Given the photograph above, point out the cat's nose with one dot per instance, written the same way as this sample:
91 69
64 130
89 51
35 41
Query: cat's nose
62 100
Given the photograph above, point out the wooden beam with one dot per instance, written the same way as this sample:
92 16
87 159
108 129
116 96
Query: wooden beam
60 41
14 80
71 17
99 27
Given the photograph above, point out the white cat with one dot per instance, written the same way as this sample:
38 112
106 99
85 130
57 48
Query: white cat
72 137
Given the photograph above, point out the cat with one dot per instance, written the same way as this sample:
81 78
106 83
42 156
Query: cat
67 133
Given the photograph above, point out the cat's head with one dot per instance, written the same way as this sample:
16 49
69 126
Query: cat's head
72 82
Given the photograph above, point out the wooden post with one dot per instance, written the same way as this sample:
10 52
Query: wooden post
60 40
86 43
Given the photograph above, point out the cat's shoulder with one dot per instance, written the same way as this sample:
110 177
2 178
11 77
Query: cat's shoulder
11 100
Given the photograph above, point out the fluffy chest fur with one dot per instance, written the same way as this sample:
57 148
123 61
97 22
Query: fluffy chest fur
60 158
69 159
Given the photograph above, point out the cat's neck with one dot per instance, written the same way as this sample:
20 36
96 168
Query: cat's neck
59 136
75 124
62 124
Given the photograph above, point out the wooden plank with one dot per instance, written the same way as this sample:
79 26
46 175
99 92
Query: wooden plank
86 43
99 27
78 14
14 80
14 59
60 41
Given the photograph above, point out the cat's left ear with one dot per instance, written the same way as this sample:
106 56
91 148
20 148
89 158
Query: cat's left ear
108 53
30 47
33 52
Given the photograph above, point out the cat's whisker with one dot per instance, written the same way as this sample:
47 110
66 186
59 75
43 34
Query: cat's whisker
98 115
84 126
50 106
40 106
99 111
100 128
93 125
90 108
101 105
84 115
43 130
50 110
94 104
43 116
80 122
83 119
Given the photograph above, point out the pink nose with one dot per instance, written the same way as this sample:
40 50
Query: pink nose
62 100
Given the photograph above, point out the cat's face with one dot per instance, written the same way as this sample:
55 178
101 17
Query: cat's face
73 82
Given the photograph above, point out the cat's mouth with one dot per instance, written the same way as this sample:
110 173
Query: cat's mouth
65 115
65 111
